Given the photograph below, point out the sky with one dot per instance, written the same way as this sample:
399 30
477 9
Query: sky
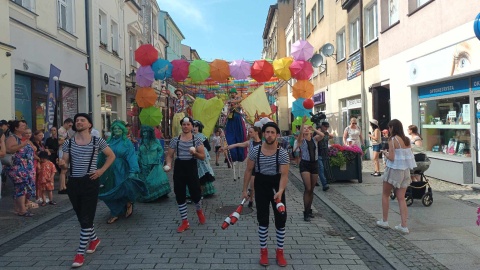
223 29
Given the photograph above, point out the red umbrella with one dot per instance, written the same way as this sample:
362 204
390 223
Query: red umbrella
146 54
219 70
180 69
261 71
301 70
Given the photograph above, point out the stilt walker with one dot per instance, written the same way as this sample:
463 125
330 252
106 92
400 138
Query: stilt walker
235 130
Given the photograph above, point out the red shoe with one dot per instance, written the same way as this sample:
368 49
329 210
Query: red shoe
264 257
184 226
78 261
93 246
280 258
201 216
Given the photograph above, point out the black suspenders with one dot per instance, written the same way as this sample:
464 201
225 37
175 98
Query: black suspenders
70 153
276 159
178 142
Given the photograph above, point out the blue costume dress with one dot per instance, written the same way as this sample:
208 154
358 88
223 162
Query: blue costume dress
119 189
235 132
151 171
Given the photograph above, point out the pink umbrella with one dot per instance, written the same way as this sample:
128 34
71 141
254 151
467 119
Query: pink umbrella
239 69
301 70
180 69
144 77
302 50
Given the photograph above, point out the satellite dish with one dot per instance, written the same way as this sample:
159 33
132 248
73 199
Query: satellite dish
327 49
316 60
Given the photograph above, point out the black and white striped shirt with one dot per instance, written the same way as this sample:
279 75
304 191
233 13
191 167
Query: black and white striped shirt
305 152
81 155
183 152
268 164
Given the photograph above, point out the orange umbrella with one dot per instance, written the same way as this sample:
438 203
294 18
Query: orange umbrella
219 70
302 89
146 97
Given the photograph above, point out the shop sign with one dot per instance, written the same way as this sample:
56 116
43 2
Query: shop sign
476 83
354 103
445 88
354 66
319 98
111 79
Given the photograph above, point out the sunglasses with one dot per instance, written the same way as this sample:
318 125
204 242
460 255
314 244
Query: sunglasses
354 123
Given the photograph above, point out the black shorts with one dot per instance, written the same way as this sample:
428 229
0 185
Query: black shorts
309 166
217 148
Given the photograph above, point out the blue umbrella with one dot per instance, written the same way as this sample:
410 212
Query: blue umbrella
162 69
298 109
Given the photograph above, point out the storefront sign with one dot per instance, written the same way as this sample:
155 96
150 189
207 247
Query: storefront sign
354 66
319 98
354 103
111 79
476 83
446 88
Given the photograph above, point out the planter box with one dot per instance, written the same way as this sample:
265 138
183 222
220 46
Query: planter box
350 171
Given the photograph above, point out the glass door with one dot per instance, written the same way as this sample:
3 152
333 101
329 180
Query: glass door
475 140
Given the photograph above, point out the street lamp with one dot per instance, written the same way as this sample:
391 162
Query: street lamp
133 78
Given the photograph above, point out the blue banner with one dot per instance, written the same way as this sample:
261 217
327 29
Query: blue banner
476 83
445 88
51 114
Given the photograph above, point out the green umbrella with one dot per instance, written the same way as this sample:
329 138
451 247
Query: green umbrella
298 122
151 116
199 70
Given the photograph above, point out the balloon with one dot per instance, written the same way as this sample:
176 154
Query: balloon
308 104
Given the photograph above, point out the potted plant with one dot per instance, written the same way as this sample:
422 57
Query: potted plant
345 162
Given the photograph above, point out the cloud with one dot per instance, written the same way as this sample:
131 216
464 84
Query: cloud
187 11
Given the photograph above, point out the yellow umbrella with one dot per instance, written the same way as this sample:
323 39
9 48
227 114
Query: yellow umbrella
302 89
281 68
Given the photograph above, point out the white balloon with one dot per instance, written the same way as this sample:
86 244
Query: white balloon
166 167
192 149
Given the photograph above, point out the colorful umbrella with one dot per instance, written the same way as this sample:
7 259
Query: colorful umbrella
162 69
146 54
301 70
145 97
180 69
302 89
199 70
239 69
302 50
144 77
298 122
151 116
298 109
261 71
219 70
281 68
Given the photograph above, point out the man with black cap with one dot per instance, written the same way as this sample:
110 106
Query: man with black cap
271 165
322 153
81 152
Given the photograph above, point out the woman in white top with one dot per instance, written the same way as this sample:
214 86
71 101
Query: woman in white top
353 133
400 161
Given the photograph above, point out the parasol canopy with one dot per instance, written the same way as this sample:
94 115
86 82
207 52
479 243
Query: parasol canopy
180 69
162 69
281 68
151 116
302 50
298 122
302 89
239 69
298 109
144 76
199 70
146 54
219 70
301 70
261 71
145 97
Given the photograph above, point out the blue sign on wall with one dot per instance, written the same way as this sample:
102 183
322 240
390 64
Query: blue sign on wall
476 83
445 88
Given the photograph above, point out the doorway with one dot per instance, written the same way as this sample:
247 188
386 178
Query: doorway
381 105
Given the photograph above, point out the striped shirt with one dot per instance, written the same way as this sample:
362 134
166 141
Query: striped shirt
305 152
268 164
252 144
183 151
81 155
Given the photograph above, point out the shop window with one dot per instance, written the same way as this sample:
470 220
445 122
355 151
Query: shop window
445 125
109 111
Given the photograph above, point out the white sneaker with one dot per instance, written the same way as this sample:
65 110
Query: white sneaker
401 229
47 200
383 224
39 201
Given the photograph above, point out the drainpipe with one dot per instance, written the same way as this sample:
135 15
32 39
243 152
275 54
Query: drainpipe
89 59
304 36
363 94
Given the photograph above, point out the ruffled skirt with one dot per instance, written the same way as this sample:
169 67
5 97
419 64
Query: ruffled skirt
397 178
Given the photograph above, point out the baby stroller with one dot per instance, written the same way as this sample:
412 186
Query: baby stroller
420 189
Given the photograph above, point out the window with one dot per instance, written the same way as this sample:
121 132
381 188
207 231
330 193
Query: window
421 2
314 16
102 26
392 12
114 36
28 4
66 15
371 23
307 25
341 45
354 36
320 9
133 46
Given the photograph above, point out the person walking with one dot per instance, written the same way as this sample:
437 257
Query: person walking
216 143
188 149
400 161
271 164
375 137
322 154
353 134
81 152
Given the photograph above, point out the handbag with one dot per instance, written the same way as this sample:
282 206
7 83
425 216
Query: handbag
7 160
